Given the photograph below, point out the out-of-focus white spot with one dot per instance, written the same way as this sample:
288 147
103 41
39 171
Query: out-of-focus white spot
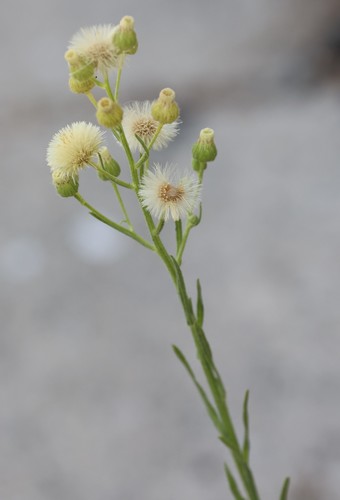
22 258
95 242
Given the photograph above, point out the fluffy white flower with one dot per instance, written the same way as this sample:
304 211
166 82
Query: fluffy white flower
73 147
96 45
137 119
165 193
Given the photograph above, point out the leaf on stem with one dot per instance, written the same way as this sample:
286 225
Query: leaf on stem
285 487
246 442
232 484
229 444
210 409
200 306
205 347
187 305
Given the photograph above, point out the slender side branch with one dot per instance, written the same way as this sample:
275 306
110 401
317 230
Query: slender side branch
95 213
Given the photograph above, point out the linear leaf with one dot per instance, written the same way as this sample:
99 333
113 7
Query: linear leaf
285 487
200 306
187 305
232 484
246 442
229 444
210 409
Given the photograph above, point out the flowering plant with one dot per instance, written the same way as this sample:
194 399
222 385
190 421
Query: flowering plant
164 194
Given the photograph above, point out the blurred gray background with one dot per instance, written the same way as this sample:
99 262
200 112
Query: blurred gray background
93 403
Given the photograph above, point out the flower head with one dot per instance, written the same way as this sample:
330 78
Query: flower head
164 193
165 109
65 185
137 120
96 45
73 147
204 149
125 38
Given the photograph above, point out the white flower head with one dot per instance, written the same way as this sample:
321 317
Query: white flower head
95 44
137 120
73 147
164 192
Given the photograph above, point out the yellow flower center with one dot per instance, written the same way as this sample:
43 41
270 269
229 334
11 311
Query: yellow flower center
145 128
169 193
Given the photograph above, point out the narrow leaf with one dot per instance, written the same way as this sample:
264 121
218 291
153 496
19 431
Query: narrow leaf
204 344
246 442
228 443
285 487
232 484
209 407
200 306
183 293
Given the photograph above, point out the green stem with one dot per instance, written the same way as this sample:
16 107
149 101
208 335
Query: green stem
160 248
192 221
119 74
147 149
122 206
113 224
133 171
218 393
156 134
179 235
108 86
209 373
112 178
91 98
182 243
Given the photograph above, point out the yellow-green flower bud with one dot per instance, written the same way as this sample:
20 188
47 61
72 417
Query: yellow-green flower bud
81 86
80 69
165 109
109 113
109 164
125 38
66 186
204 149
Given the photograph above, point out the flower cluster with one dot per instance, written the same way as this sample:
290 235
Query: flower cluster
139 127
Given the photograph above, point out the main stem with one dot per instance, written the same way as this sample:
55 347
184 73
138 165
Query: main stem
228 428
211 375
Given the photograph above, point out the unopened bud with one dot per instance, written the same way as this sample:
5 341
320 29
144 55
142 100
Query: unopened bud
125 38
108 164
66 186
204 149
165 109
80 68
81 86
109 113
